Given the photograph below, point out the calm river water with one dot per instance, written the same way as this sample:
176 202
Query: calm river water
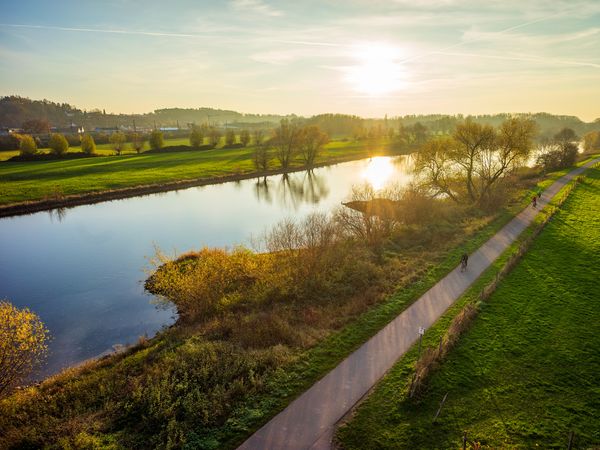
82 270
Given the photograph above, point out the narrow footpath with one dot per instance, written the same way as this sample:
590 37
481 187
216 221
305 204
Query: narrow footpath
309 421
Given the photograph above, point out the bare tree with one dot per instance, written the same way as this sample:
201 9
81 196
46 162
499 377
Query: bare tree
259 136
244 137
214 135
137 142
286 140
474 158
434 168
230 137
311 141
471 139
511 148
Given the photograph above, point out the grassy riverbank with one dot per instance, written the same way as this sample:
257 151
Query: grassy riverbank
525 374
229 366
38 180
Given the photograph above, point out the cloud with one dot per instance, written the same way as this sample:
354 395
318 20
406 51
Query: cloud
256 7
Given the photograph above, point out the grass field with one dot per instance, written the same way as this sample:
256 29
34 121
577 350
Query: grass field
35 180
526 374
158 391
101 149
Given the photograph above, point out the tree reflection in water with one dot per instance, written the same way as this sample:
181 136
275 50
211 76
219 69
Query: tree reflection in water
58 213
293 189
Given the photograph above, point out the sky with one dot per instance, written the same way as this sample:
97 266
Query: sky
363 57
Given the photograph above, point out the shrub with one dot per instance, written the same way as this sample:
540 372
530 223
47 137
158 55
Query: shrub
137 142
156 140
196 137
230 137
27 145
88 146
244 137
557 157
22 344
118 141
58 144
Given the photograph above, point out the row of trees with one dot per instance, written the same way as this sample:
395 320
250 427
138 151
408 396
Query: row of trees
288 142
59 145
200 133
472 162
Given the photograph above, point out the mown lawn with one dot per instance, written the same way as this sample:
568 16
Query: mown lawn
526 374
36 180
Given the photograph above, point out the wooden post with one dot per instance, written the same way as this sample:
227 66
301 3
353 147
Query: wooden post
440 408
465 440
571 436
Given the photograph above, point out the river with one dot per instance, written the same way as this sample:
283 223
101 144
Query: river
82 269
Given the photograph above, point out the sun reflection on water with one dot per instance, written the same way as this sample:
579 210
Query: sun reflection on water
378 172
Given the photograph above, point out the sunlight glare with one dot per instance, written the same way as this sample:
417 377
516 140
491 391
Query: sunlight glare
378 172
377 71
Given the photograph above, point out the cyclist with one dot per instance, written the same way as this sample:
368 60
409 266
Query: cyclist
464 260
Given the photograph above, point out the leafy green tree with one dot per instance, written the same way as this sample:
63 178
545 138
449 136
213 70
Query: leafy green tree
230 137
88 145
117 140
197 136
23 344
27 145
156 140
244 137
58 144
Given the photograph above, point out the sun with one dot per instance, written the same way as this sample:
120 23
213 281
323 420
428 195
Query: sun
377 70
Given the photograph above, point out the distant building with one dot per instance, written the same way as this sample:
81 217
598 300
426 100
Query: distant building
169 129
8 131
71 129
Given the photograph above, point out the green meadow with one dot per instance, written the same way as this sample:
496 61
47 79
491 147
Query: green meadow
35 180
526 374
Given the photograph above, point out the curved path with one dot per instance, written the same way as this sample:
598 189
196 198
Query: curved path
309 421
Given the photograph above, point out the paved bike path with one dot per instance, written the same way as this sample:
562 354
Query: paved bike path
309 421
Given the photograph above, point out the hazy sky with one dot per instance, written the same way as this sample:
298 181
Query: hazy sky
365 57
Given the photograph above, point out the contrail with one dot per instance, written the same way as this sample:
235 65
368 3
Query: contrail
100 30
526 58
311 43
155 33
470 41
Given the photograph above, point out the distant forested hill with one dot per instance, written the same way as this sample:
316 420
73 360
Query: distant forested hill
15 111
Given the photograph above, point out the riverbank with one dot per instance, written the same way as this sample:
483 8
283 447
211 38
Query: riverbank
37 186
210 382
532 333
